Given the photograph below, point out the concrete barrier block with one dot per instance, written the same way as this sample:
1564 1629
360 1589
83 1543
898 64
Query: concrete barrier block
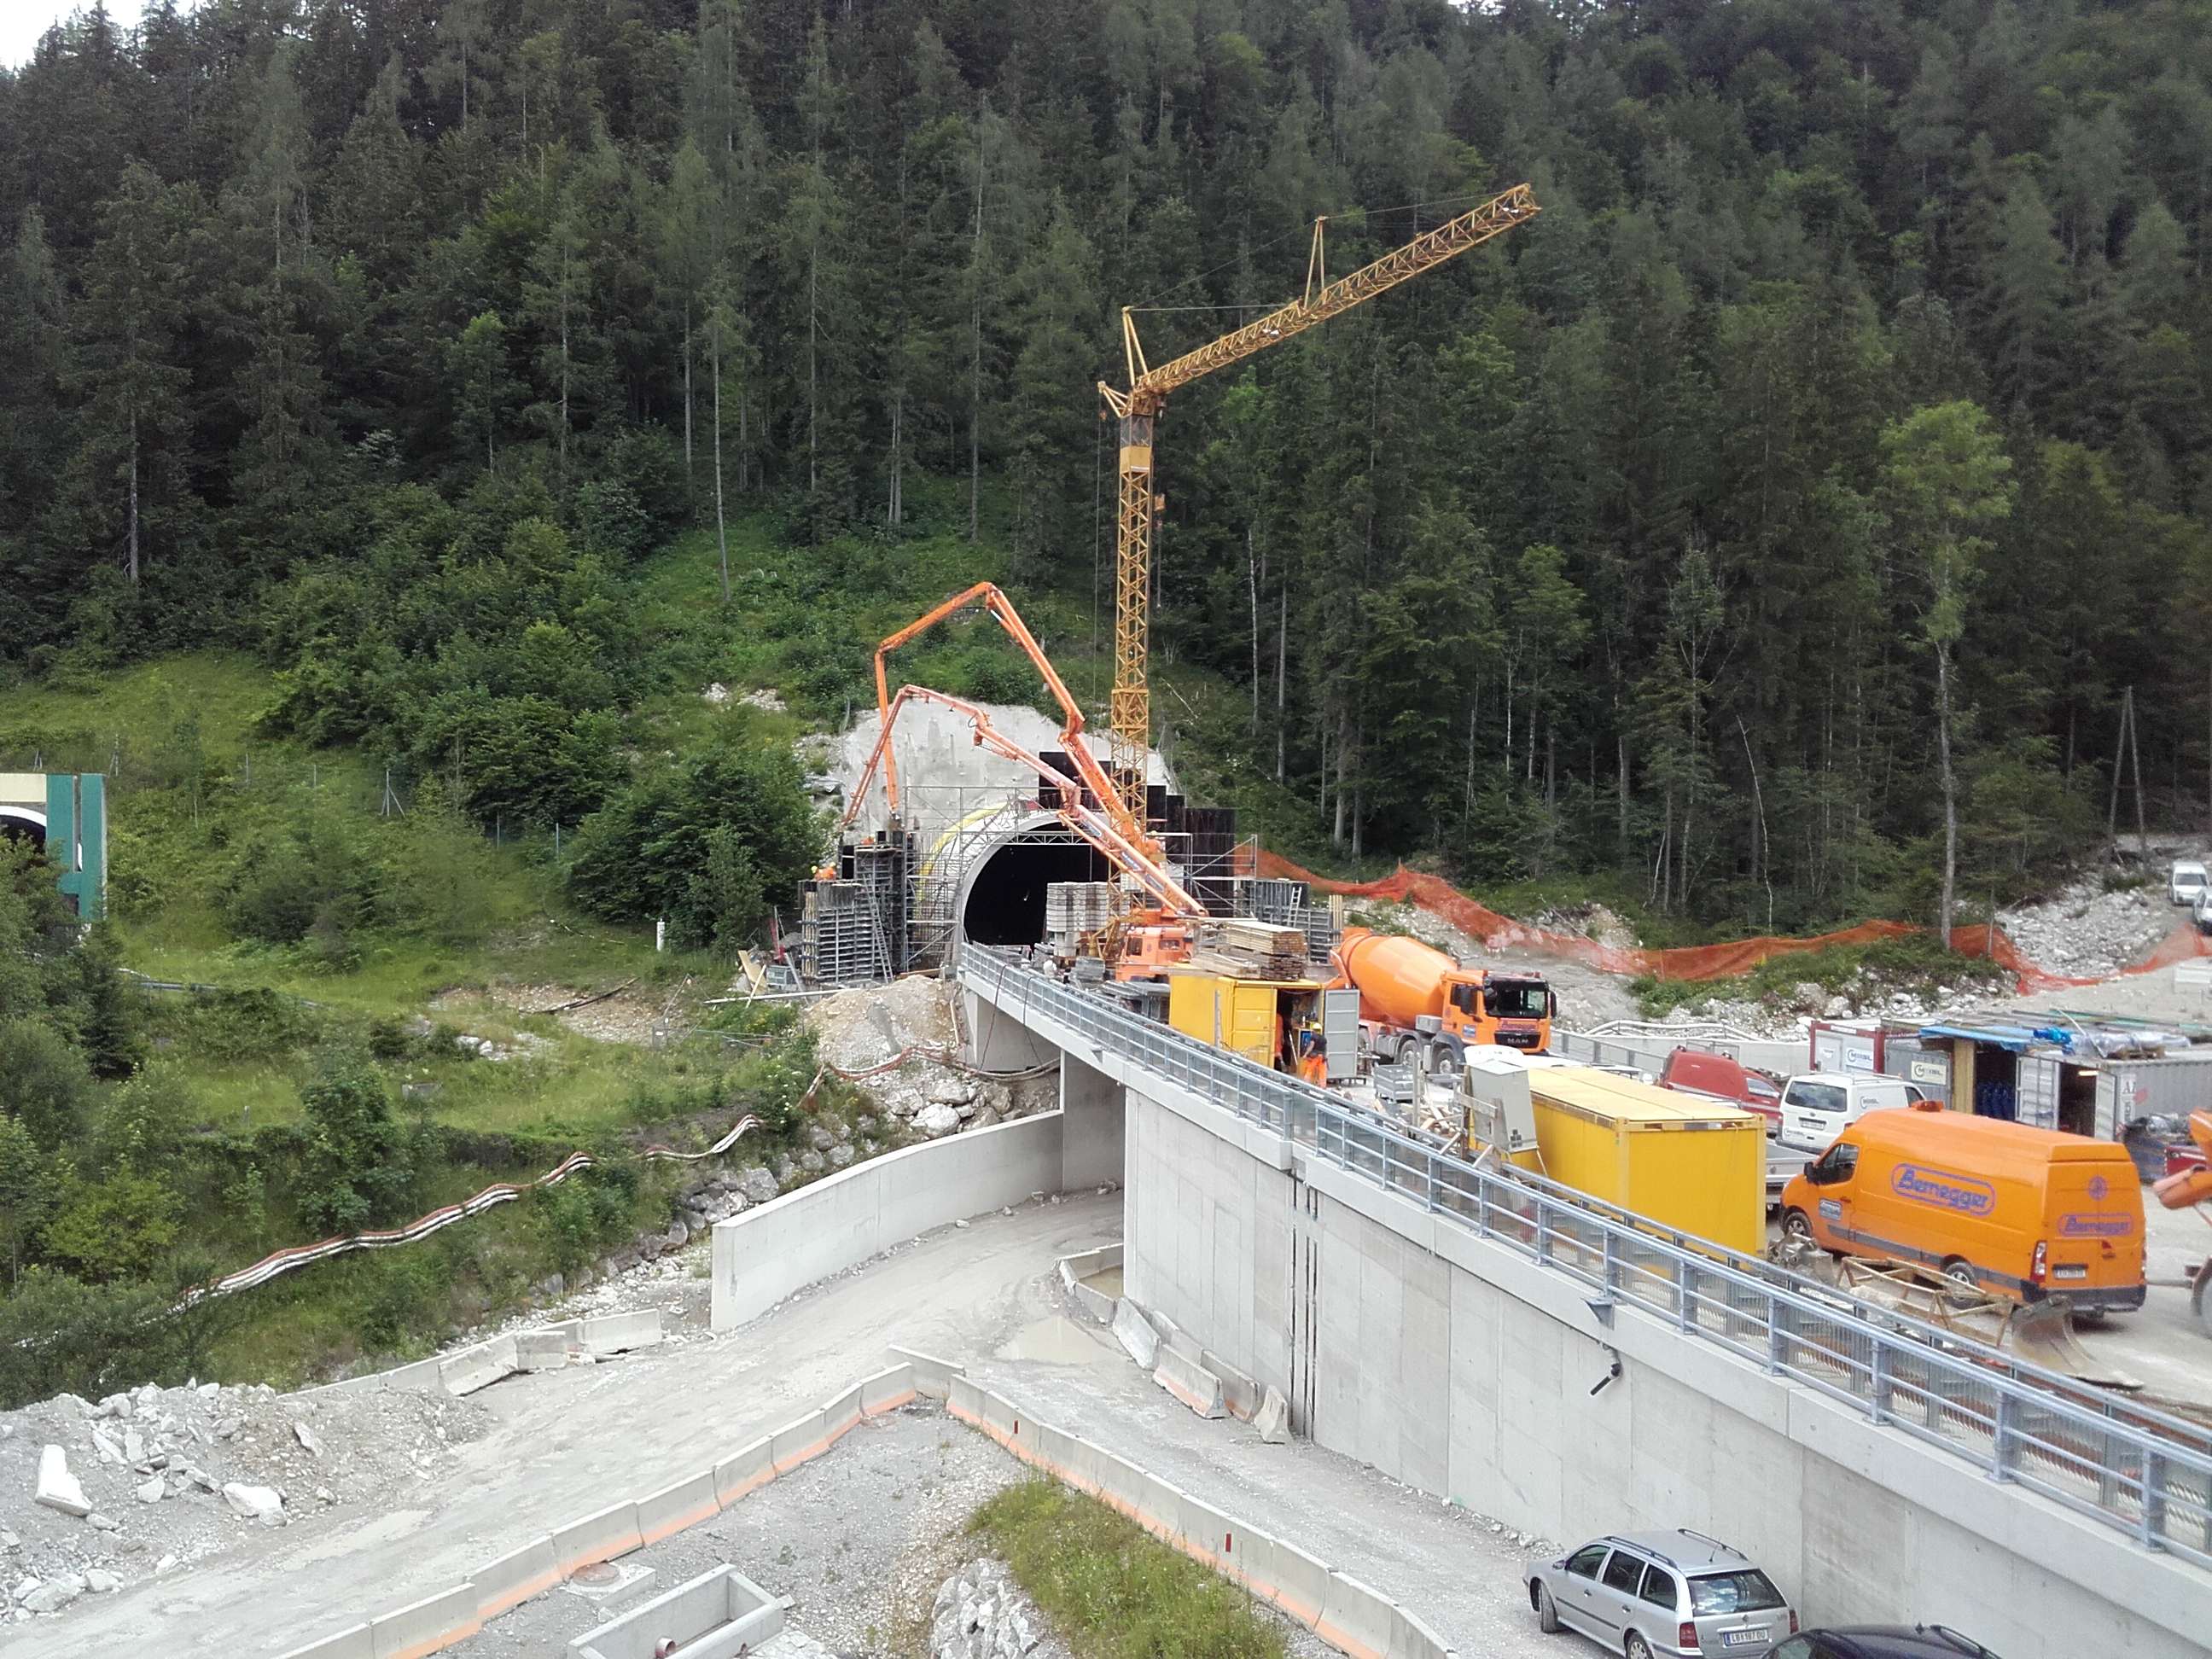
547 1348
1000 1416
420 1378
1206 1534
1049 1447
350 1643
842 1414
795 1443
1300 1583
1084 1467
514 1578
1136 1335
1097 1304
686 1503
609 1334
1357 1618
478 1367
747 1469
931 1375
964 1399
1239 1393
1159 1508
1123 1486
599 1536
887 1390
1411 1639
424 1627
1252 1561
1190 1381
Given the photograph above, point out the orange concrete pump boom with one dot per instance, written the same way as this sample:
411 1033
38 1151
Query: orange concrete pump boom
1130 711
1071 730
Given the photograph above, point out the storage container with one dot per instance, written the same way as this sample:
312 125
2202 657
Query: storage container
1691 1165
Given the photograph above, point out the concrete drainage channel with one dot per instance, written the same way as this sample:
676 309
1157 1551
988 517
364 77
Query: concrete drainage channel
1349 1615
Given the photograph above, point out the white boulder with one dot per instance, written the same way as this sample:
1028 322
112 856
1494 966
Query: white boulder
254 1503
57 1487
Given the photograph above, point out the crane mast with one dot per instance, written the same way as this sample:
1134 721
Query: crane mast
1129 709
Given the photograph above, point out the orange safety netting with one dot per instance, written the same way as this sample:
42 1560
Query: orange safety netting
1695 961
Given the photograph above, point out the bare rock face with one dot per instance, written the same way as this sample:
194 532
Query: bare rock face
982 1613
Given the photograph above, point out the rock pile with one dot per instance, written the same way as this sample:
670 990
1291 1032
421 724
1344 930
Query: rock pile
982 1613
2085 932
94 1497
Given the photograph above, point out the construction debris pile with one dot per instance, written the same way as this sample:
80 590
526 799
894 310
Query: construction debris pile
94 1497
2085 932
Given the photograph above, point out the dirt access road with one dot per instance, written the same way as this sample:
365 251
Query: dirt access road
568 1442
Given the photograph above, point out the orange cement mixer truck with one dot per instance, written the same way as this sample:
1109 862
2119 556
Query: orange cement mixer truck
1413 997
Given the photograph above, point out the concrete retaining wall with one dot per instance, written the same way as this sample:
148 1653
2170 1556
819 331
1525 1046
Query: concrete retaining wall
767 1254
1345 1613
438 1622
1461 1369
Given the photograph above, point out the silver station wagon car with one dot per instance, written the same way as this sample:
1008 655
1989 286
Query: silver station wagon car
1662 1596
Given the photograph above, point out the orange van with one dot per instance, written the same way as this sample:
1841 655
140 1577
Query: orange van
2021 1212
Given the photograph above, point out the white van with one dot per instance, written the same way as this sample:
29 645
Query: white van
2185 883
1819 1106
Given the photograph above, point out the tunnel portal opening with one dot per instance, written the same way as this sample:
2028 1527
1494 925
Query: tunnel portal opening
1005 901
19 825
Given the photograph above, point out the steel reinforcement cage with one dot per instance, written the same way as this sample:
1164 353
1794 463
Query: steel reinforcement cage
2134 1469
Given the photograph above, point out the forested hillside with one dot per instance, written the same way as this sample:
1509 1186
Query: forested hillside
1841 417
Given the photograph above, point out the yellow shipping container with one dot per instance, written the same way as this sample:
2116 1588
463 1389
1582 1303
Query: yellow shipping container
1245 1015
1691 1165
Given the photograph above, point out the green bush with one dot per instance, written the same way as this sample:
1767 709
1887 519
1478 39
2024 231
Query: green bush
1112 1589
45 1083
358 1162
702 842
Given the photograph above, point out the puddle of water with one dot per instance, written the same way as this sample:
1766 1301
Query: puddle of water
1058 1341
1106 1281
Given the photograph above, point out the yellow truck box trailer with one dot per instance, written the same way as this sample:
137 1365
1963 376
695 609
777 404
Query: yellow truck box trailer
1255 1018
1690 1164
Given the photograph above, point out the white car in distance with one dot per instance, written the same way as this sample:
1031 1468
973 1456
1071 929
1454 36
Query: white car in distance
2185 883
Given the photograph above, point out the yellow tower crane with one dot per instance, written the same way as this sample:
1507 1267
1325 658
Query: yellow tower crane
1130 710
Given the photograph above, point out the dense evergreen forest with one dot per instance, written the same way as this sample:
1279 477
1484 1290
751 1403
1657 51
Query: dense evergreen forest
1833 446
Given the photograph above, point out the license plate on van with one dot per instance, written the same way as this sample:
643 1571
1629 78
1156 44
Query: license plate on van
2070 1270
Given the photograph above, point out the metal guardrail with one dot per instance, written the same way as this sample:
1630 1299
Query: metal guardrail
2137 1470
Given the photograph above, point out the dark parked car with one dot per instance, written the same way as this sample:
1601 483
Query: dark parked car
1882 1642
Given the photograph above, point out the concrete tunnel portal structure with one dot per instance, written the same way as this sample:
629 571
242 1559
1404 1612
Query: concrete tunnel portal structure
1002 888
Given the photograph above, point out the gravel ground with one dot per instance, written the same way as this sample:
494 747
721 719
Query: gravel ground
861 1539
157 1501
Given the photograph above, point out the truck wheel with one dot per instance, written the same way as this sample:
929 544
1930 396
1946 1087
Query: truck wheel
1960 1272
1444 1061
1797 1227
